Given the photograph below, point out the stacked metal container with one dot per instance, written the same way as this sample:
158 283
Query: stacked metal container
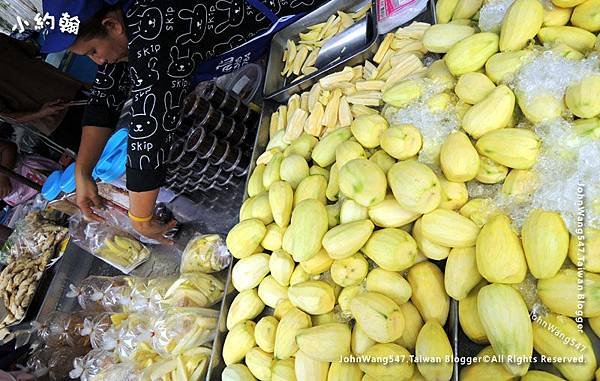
213 144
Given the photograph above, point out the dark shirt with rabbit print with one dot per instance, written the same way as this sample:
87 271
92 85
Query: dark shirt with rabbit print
167 38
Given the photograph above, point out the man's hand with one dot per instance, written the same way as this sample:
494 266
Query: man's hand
154 230
5 187
50 108
87 197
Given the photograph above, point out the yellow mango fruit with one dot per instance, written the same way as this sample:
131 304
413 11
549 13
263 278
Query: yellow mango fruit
586 16
428 292
461 274
471 53
521 23
577 38
458 158
507 325
545 243
513 147
558 336
473 87
415 186
391 249
492 113
499 254
469 316
433 342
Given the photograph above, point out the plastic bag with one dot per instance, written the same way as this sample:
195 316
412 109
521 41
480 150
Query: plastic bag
60 329
37 362
139 294
121 341
100 293
35 235
61 360
391 14
181 329
205 253
123 372
116 216
192 363
139 325
150 297
45 332
88 367
108 243
194 290
95 327
144 355
32 167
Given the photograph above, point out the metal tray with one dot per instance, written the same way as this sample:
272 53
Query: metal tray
216 364
270 104
39 293
279 88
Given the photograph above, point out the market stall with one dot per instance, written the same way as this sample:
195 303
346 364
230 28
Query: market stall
494 247
405 203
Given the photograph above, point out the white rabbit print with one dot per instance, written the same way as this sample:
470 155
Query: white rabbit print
143 122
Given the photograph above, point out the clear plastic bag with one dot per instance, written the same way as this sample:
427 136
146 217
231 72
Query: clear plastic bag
35 235
99 293
88 367
43 332
144 355
181 329
194 290
123 372
139 325
59 329
149 298
37 362
193 363
113 246
121 341
392 14
95 327
205 253
61 360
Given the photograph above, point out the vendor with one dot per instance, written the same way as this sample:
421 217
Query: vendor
153 51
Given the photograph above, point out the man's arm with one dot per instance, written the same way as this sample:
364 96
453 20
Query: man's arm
8 154
48 109
8 159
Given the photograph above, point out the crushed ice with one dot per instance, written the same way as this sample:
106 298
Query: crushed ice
492 13
566 162
434 126
550 73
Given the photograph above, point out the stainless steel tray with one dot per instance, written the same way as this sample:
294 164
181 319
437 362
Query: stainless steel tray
217 365
279 88
270 104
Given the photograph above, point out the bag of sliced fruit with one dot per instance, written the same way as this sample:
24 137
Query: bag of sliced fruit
205 253
180 329
115 247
